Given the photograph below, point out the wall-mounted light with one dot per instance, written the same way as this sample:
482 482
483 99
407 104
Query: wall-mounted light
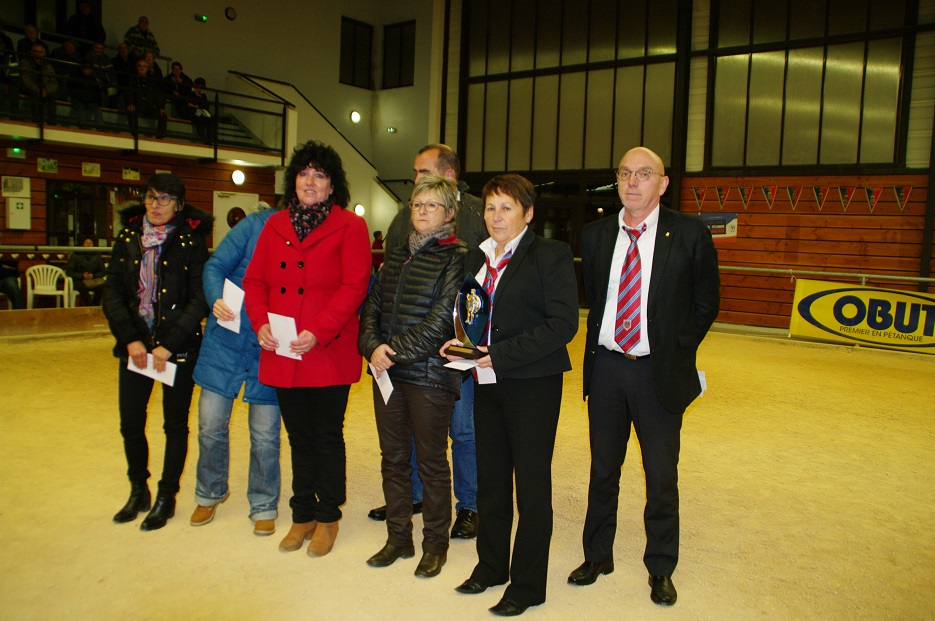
390 130
359 209
201 19
238 177
355 116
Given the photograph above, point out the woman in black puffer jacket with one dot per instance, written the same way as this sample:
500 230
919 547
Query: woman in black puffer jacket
154 304
406 319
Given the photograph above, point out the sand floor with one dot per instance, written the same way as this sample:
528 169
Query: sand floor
807 492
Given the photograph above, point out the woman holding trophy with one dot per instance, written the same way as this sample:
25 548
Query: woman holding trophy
531 292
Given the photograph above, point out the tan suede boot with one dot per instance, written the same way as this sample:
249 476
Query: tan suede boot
298 533
323 539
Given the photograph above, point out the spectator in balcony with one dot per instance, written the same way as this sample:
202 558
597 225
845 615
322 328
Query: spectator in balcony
24 45
7 57
39 83
86 269
196 111
140 39
65 60
178 88
85 93
85 25
124 71
102 64
145 100
153 69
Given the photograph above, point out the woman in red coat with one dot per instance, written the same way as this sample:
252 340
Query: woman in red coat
312 263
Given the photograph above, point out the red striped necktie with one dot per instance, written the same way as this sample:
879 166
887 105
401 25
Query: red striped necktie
489 281
627 325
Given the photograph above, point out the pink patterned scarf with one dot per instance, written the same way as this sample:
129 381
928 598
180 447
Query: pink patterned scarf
152 239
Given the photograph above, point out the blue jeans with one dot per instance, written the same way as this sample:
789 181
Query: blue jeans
214 414
463 452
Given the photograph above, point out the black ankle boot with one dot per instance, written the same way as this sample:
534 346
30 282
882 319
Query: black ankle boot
163 509
139 501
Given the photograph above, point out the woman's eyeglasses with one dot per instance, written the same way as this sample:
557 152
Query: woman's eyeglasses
162 199
430 206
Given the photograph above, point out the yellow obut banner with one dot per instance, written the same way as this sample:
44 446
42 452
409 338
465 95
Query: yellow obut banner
853 314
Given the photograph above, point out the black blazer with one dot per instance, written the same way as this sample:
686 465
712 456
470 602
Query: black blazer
535 309
684 298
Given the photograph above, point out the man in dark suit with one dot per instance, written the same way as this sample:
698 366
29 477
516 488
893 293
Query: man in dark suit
651 280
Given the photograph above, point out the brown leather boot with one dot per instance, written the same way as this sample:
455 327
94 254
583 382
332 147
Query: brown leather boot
297 536
323 539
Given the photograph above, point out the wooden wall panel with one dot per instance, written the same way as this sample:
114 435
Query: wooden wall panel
882 236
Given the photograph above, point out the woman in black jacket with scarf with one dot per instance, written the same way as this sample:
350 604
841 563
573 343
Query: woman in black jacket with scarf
154 304
406 319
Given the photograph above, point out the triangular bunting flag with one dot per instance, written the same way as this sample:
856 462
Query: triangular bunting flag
699 195
769 193
873 195
821 193
746 191
722 195
902 195
846 193
794 195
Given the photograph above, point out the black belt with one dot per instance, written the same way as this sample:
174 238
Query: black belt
627 356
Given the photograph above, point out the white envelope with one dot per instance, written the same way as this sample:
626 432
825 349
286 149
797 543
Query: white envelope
233 297
167 377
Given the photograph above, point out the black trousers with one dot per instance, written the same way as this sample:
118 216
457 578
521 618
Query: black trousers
134 393
515 421
423 413
622 393
314 420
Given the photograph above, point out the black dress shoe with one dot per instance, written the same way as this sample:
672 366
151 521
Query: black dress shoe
139 501
508 608
431 564
379 514
588 572
163 509
388 555
465 525
471 587
663 592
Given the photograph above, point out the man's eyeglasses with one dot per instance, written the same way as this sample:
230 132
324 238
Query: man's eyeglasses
641 175
430 206
162 199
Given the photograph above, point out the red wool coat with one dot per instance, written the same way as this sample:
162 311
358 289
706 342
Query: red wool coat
321 282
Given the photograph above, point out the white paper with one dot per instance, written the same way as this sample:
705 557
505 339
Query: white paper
167 377
383 383
461 365
283 329
704 382
233 297
486 376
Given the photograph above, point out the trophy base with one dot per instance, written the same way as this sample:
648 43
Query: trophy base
465 352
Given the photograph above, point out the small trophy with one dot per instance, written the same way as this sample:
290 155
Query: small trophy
472 311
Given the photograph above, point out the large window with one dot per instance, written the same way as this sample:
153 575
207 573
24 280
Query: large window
356 53
399 54
806 82
566 85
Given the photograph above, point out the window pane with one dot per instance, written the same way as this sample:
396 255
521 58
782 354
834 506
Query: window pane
660 99
600 114
765 113
662 27
520 125
545 123
477 42
881 100
628 116
769 21
391 45
603 33
575 33
524 35
887 14
548 30
631 24
847 16
474 139
803 107
734 23
730 111
807 19
347 51
840 125
407 55
495 126
571 121
498 42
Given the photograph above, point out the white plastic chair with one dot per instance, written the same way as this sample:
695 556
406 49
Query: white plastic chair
43 280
